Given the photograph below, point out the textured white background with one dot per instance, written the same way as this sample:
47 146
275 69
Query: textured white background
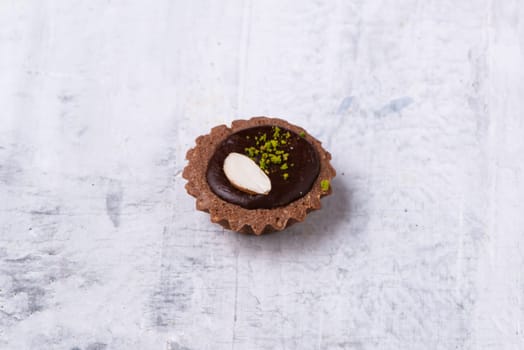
420 102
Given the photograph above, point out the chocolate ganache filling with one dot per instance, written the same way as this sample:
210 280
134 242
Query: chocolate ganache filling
288 159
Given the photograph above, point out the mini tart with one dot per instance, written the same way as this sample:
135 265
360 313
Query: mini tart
252 221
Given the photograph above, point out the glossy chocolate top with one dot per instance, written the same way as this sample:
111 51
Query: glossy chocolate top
290 161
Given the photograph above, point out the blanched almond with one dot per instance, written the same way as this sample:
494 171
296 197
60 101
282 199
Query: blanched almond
245 174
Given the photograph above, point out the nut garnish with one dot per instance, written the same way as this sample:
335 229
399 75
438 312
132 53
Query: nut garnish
268 151
245 174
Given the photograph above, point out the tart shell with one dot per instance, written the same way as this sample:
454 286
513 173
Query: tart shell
234 217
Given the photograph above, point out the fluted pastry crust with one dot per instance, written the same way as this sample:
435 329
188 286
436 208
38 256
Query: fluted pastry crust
234 217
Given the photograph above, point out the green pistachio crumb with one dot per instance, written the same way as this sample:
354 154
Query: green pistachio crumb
324 185
251 152
275 159
268 152
302 134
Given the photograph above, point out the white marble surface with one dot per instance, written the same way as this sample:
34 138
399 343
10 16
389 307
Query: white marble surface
420 102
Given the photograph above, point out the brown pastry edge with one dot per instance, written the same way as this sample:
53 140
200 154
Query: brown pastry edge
234 217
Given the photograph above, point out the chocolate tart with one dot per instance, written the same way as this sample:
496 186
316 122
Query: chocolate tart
297 164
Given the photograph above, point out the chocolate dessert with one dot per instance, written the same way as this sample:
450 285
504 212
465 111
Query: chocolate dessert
229 169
